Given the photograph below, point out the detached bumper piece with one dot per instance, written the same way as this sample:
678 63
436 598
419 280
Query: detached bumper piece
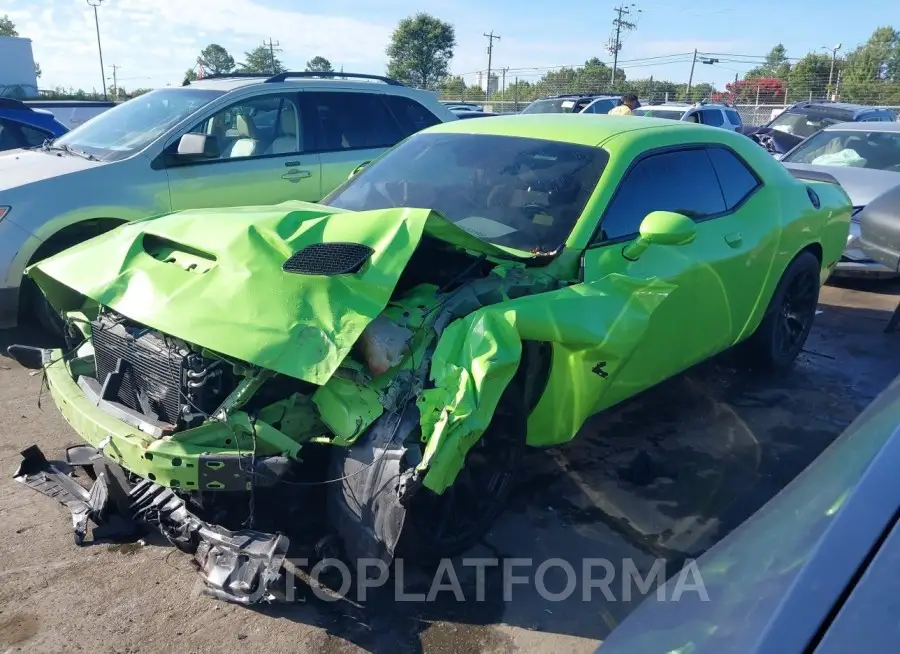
237 566
101 504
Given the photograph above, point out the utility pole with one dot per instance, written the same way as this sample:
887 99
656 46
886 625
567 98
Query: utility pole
620 24
490 52
95 4
834 52
503 83
691 78
115 69
273 46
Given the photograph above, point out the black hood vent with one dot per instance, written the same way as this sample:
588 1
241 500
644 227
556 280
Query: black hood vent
328 259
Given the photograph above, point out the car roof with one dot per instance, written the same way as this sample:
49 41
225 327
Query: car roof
580 129
858 126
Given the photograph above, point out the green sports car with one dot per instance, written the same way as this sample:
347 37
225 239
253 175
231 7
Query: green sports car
380 360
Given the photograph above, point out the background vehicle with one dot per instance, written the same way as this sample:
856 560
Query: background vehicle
803 119
458 107
864 158
218 142
812 571
528 225
24 127
879 229
475 114
573 104
712 114
73 113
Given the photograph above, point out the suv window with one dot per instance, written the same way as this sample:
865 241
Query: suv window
600 107
411 115
712 117
734 117
32 136
16 135
682 181
353 121
735 179
255 127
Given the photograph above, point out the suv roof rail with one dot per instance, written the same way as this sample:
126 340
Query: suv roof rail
12 103
281 77
187 82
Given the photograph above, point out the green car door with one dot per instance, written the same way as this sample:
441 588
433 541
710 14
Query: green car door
716 270
266 156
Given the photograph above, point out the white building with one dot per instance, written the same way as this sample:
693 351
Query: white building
17 74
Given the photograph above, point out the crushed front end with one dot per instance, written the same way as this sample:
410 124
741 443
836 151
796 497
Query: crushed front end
219 395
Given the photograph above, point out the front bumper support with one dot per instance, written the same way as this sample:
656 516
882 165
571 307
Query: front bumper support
237 566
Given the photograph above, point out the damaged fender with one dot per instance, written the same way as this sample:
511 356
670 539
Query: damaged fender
477 356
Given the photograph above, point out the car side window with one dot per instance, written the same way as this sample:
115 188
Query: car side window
256 127
682 181
411 115
735 178
33 137
734 117
712 117
353 121
8 140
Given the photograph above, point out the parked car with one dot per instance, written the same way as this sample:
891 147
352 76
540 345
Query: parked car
705 113
458 107
879 229
218 142
475 114
864 158
73 113
813 571
485 285
24 127
803 119
573 104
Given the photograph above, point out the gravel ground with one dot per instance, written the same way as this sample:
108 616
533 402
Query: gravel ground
663 476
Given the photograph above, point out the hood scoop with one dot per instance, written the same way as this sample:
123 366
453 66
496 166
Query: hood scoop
328 259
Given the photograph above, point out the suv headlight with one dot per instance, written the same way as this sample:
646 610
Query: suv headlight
3 211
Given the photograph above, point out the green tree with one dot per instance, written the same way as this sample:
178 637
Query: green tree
420 51
319 65
138 92
7 27
871 73
809 76
261 59
776 65
453 87
215 59
37 70
190 75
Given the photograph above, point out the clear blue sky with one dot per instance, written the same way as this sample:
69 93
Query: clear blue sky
154 42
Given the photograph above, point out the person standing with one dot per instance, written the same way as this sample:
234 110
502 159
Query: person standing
629 104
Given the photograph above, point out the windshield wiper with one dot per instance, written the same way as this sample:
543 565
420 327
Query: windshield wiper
50 145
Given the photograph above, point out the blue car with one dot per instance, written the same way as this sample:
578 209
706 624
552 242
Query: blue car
22 126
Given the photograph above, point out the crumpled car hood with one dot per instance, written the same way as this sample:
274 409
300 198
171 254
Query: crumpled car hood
214 278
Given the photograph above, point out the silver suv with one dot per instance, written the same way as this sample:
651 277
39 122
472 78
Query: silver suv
705 113
218 142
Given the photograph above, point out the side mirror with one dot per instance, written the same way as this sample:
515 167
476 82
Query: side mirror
196 147
661 228
358 169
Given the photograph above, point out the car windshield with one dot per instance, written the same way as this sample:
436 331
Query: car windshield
556 106
671 114
131 126
876 150
521 193
802 125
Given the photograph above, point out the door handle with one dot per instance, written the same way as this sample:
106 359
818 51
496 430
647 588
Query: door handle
296 175
735 239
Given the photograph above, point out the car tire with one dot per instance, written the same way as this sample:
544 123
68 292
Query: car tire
46 316
446 525
782 333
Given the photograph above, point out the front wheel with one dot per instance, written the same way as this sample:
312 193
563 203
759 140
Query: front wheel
782 333
443 526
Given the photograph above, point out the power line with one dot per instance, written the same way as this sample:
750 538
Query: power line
620 24
490 52
273 47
